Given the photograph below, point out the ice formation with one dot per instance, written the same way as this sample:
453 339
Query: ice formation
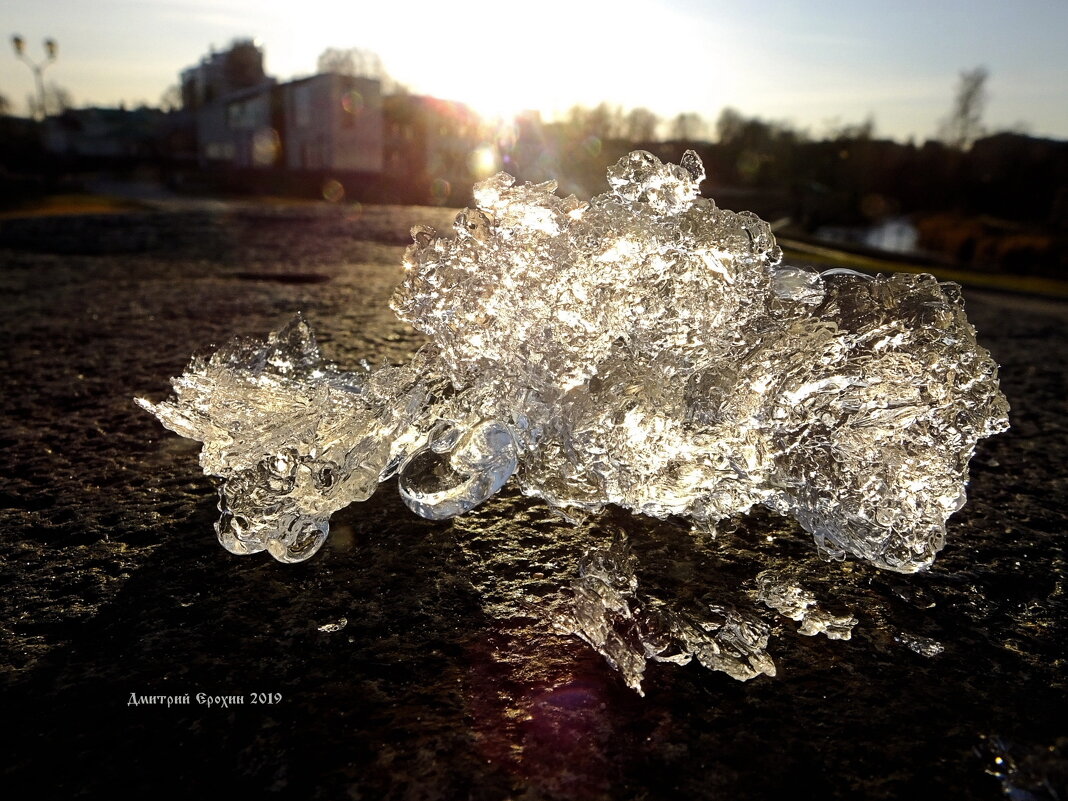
629 628
924 646
778 590
645 349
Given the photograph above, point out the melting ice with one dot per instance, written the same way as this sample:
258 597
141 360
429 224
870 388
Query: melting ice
778 590
628 628
645 349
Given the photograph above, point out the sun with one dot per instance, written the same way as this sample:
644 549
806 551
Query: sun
502 59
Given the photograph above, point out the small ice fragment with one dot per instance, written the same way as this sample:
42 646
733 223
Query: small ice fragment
803 286
338 625
439 482
628 627
817 621
777 589
924 646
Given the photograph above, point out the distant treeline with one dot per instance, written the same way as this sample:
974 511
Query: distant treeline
999 202
847 176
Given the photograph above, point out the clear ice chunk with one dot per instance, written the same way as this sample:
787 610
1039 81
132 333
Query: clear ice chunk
291 438
646 350
778 590
780 593
924 646
334 627
628 628
438 484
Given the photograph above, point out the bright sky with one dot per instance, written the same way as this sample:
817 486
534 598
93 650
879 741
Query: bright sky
810 62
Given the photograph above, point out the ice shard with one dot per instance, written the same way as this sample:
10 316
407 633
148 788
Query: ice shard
778 590
645 349
629 628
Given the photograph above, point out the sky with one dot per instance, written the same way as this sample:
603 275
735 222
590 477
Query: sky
813 64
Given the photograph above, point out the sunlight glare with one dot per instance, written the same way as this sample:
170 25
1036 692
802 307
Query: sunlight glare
485 161
501 59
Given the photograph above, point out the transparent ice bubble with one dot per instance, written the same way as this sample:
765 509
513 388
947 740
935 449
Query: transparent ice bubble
438 484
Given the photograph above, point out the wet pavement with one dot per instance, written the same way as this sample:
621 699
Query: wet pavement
411 659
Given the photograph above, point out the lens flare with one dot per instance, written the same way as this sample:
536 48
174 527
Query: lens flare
333 191
352 102
266 145
440 190
485 161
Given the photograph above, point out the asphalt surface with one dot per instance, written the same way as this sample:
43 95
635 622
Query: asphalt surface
410 659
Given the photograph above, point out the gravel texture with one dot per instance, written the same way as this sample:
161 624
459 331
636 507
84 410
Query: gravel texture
444 681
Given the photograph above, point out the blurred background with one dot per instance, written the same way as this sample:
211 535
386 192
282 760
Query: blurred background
935 131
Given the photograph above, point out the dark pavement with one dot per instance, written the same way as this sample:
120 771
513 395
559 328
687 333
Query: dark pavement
444 682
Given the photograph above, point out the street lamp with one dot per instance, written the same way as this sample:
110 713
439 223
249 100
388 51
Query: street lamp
51 49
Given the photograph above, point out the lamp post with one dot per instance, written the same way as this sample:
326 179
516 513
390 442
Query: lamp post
38 67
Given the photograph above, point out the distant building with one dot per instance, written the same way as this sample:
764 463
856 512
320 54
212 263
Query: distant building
106 133
219 75
237 131
429 145
423 148
325 122
244 119
333 122
230 98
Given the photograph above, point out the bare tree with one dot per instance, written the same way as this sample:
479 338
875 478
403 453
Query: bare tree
171 99
730 126
604 122
607 121
56 101
836 130
688 127
361 63
351 61
336 60
964 123
640 125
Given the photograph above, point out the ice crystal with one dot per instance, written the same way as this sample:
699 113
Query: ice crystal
645 349
924 646
777 590
331 628
629 628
